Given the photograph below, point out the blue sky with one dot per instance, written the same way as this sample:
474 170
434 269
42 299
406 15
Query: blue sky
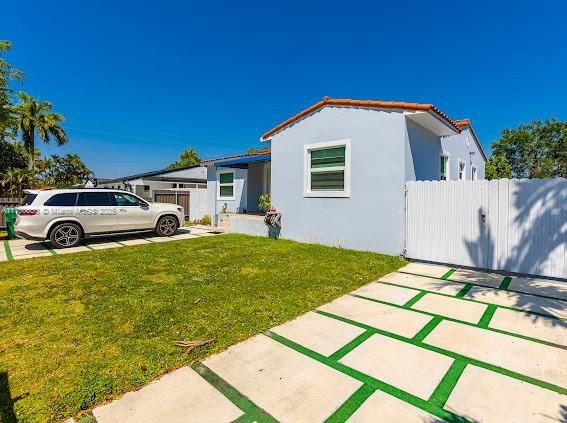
140 81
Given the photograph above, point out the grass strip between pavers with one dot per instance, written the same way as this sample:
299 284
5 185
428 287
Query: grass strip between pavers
427 329
484 286
451 319
449 273
535 313
351 405
464 291
505 283
252 411
8 250
415 299
441 393
487 316
49 248
454 355
367 380
341 352
88 246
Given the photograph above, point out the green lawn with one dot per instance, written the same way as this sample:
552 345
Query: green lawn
80 329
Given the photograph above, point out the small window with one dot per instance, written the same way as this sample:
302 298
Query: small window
444 168
462 174
181 186
473 173
62 200
328 169
146 187
89 199
28 199
127 200
202 186
226 185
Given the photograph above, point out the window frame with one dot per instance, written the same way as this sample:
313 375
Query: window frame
222 172
464 178
307 171
46 203
446 174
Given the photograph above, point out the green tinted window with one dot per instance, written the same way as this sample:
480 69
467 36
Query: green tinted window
328 181
226 178
226 190
443 163
328 157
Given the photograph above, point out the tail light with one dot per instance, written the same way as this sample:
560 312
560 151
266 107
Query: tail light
27 212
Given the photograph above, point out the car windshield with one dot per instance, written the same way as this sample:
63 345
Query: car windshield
28 199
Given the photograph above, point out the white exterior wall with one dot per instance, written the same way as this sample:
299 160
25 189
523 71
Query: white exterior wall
215 204
458 147
372 218
524 228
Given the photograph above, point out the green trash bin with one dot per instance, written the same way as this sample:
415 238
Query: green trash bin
10 214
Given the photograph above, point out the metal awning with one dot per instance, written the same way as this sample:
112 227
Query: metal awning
242 162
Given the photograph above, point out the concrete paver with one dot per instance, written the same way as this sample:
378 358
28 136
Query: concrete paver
381 316
551 330
318 333
388 293
526 302
555 289
488 397
455 308
423 282
381 407
542 362
433 270
407 367
290 386
478 278
78 249
133 241
178 396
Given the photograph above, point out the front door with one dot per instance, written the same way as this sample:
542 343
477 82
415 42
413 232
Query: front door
133 213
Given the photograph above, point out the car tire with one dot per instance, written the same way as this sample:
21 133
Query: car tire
65 235
167 226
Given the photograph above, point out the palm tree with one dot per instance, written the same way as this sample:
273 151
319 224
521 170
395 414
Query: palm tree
31 115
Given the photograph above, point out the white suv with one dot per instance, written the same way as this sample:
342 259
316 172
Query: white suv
65 216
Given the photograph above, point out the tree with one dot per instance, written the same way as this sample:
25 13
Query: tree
14 181
33 116
535 150
63 172
7 73
497 167
187 158
12 155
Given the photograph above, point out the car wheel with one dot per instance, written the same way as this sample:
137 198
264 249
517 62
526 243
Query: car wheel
166 226
65 235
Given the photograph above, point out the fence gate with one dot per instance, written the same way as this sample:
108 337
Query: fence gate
181 198
514 225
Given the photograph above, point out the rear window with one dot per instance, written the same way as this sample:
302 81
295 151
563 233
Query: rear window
28 199
62 200
93 199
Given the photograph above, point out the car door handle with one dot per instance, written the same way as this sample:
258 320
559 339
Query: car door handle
123 210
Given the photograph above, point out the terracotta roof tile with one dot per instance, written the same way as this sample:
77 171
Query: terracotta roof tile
326 101
460 123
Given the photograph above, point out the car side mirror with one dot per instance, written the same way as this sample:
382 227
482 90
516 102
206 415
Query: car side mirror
144 205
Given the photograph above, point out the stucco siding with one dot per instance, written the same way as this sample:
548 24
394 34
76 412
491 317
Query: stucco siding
255 185
423 149
236 205
372 218
458 147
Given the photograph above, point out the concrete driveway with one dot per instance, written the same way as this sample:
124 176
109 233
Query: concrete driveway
424 344
18 249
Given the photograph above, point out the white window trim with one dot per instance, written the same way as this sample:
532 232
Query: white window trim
461 162
219 184
307 169
447 169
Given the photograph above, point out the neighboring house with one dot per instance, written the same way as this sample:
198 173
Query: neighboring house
235 183
192 179
339 168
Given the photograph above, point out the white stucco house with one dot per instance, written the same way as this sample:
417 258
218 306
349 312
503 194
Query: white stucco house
337 171
188 179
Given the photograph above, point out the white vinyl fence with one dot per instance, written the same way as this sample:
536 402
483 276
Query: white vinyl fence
507 224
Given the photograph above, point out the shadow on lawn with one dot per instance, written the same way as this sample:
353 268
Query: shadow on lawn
7 414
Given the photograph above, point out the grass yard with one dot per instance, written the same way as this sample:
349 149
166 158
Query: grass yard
80 329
